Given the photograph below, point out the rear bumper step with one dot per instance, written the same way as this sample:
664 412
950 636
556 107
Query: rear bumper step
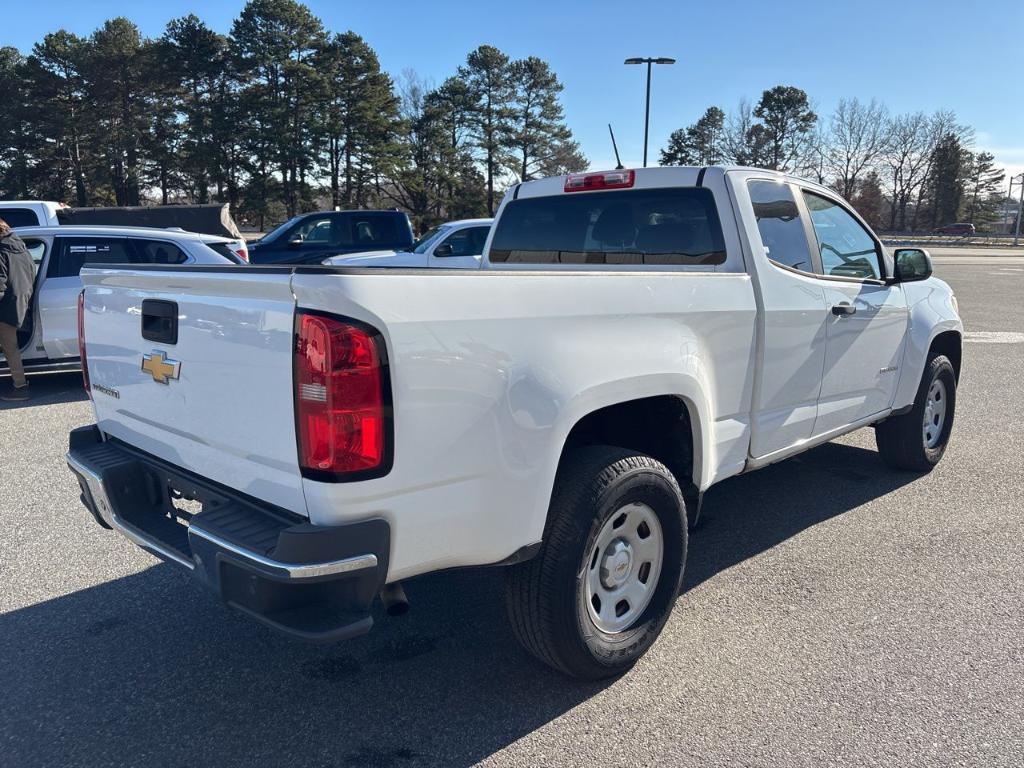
312 582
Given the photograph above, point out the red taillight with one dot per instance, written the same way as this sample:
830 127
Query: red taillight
81 342
340 400
243 253
585 182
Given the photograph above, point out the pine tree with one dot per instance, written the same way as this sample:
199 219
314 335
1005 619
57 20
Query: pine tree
276 45
699 144
540 142
946 181
54 74
362 120
488 79
118 87
984 189
197 56
786 122
16 143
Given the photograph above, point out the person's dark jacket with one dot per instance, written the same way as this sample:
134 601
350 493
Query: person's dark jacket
17 275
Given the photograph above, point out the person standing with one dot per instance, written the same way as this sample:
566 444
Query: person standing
17 274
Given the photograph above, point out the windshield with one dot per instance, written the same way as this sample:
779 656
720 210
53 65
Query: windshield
421 245
276 231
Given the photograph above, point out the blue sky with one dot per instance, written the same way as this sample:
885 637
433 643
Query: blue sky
910 55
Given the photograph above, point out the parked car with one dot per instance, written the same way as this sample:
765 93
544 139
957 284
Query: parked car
312 237
633 338
961 229
213 219
457 244
49 337
30 213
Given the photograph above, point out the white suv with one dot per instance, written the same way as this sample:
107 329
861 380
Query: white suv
49 336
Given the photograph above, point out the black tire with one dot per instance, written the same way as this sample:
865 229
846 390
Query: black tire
543 595
900 439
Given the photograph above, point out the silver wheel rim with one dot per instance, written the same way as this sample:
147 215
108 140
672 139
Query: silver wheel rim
622 568
935 408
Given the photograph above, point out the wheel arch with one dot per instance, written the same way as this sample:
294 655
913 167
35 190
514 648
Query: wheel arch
668 426
950 344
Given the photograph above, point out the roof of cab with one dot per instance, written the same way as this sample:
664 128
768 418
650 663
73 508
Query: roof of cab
659 176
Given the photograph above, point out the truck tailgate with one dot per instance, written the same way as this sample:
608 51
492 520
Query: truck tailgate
217 400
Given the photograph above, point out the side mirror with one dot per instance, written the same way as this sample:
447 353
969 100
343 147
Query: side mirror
295 241
445 249
912 264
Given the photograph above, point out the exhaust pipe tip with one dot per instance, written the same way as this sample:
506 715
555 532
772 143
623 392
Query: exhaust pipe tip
394 599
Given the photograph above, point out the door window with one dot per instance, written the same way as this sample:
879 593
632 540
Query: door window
778 220
158 252
37 249
315 231
72 253
371 231
847 250
466 242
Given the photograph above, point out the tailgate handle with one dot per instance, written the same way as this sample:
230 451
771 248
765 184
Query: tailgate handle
160 321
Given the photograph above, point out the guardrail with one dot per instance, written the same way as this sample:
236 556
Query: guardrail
979 240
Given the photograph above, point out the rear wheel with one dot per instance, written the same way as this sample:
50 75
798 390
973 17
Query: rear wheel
917 440
600 590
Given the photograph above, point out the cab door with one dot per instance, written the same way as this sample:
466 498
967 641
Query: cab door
794 319
867 322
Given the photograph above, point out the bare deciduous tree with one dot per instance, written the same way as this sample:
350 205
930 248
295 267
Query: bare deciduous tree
858 138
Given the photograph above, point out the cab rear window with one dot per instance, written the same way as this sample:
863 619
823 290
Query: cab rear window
635 226
19 217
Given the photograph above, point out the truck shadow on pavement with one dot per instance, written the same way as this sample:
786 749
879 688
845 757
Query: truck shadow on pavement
146 669
50 389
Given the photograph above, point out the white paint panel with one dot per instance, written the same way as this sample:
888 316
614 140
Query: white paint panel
490 371
230 416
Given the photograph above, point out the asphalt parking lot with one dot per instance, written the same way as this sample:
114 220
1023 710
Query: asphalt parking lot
836 613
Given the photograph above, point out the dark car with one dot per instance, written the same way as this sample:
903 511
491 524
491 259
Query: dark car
311 237
960 230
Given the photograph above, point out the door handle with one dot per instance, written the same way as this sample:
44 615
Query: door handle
160 321
839 310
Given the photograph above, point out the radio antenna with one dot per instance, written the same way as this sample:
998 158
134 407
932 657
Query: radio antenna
619 166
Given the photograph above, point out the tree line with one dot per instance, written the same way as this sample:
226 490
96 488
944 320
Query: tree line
277 117
903 172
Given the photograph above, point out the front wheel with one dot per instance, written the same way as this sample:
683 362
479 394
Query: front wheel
918 439
600 590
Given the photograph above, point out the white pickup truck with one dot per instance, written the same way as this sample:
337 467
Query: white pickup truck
305 438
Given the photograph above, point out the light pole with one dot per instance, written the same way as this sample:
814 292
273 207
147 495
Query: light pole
1020 206
647 107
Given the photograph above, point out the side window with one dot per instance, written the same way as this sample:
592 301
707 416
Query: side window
374 230
480 239
19 217
314 231
72 253
158 252
778 220
463 243
847 250
37 248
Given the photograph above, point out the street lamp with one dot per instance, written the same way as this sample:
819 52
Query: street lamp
1020 206
647 107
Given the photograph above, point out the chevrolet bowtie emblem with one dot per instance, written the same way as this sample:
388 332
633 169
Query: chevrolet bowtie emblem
159 367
